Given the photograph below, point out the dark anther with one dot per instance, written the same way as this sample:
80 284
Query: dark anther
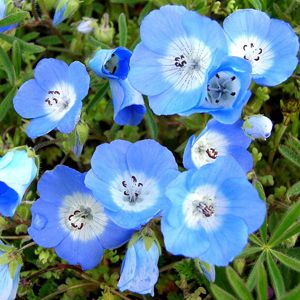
140 184
56 101
126 193
80 227
76 212
245 57
260 51
217 101
57 92
74 225
257 58
136 194
124 183
134 179
212 153
48 101
217 75
70 217
251 45
208 210
233 94
233 78
179 62
113 55
114 70
244 47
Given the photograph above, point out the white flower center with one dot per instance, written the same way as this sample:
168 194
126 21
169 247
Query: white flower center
134 192
59 100
82 216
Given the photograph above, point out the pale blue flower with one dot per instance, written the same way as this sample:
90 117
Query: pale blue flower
258 127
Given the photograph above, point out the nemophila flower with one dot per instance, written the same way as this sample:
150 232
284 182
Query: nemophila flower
64 9
53 99
217 140
227 91
171 64
128 103
212 211
17 171
3 12
68 218
86 26
270 45
8 282
258 127
129 179
139 271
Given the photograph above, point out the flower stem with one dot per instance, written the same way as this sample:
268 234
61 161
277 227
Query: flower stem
34 11
19 237
46 143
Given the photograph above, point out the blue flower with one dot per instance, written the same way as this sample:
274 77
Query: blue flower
53 99
64 9
129 179
8 284
270 45
86 26
3 11
227 91
17 171
212 211
217 140
128 103
139 271
171 64
258 127
68 218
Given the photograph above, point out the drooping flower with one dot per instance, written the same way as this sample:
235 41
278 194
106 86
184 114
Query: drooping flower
86 26
8 282
68 218
129 108
270 45
227 91
3 12
64 9
129 179
258 127
212 211
53 99
217 140
171 64
17 171
139 271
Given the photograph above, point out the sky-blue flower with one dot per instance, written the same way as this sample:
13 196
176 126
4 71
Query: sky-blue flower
53 99
8 285
171 64
3 12
139 271
258 127
59 15
211 213
68 218
227 91
217 140
129 108
271 45
17 170
129 180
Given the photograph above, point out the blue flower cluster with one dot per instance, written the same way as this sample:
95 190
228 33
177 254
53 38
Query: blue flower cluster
185 63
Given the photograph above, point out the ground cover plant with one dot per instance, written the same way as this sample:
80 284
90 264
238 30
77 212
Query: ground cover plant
149 149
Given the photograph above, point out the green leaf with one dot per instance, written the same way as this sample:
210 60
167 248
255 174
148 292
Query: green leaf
294 229
122 30
151 124
13 266
252 278
6 104
16 57
249 251
14 18
262 283
7 66
294 190
98 96
275 276
294 294
145 11
288 219
256 4
221 294
290 262
290 154
260 189
148 241
238 285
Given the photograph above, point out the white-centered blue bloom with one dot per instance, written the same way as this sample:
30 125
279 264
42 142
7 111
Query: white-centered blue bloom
129 179
139 271
68 218
129 108
64 9
17 170
212 211
271 45
217 140
177 51
3 12
53 99
258 127
227 91
8 284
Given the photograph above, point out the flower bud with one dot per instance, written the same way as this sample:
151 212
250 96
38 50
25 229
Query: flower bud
258 127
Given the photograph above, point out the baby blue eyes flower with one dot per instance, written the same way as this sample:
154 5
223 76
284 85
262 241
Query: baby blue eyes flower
217 140
3 11
17 171
8 284
270 45
53 99
177 51
86 26
64 9
129 180
258 127
212 212
139 271
68 218
128 103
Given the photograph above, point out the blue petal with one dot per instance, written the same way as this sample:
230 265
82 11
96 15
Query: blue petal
187 158
6 282
41 126
9 200
226 242
242 156
98 61
59 15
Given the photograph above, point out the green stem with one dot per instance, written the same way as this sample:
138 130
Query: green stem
46 143
19 237
34 11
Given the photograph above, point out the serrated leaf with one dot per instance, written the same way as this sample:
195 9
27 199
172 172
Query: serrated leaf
14 18
275 276
6 104
7 66
262 283
238 285
294 190
294 143
16 57
290 154
122 30
256 4
252 278
288 219
288 261
221 294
